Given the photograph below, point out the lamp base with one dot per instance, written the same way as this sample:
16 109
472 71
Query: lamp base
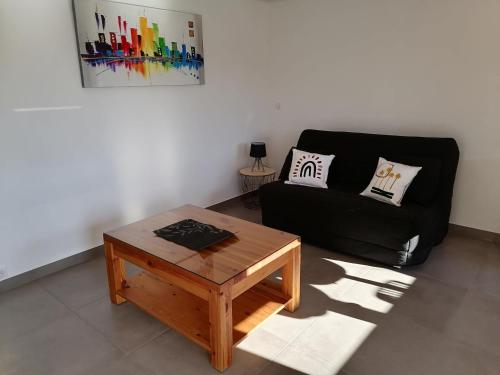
258 165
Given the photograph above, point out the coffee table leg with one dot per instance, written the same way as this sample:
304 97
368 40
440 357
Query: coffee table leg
291 280
221 327
116 273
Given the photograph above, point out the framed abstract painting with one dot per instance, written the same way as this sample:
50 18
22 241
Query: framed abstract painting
122 44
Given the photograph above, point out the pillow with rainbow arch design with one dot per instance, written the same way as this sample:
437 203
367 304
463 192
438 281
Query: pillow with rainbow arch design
309 169
390 182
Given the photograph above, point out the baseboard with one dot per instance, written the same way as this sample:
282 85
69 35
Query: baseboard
38 273
474 233
239 198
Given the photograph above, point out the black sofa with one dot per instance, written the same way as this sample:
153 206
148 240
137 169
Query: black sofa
340 219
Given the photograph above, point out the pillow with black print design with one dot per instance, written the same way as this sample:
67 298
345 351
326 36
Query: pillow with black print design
390 181
309 169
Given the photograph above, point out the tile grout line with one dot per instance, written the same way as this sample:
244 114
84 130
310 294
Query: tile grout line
315 319
126 353
34 329
446 282
295 338
290 342
140 346
83 320
444 333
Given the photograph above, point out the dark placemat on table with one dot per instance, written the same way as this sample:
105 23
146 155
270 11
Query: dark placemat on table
193 234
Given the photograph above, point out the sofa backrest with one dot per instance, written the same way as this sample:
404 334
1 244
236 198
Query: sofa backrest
356 157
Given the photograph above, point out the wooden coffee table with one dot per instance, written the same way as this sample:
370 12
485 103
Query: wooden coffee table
214 297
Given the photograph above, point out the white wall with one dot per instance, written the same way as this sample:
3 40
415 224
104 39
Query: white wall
410 67
416 67
66 176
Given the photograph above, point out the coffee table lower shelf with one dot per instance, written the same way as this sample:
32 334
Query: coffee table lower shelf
188 314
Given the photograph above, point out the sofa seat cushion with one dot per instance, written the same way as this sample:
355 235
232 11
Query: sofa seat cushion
340 211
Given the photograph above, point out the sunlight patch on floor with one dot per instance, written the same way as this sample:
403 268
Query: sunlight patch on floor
373 288
332 338
323 348
377 273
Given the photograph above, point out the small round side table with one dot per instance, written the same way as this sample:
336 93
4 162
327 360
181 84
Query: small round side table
251 181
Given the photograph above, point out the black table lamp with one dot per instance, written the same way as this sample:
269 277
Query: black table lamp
258 151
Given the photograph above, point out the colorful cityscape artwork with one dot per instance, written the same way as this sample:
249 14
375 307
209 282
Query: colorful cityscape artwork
129 45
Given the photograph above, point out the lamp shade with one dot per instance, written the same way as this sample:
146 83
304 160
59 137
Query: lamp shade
258 150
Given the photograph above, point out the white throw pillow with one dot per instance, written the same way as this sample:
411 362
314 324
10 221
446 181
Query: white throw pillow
309 169
390 182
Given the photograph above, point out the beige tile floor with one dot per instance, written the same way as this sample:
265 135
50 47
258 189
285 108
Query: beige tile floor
355 318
